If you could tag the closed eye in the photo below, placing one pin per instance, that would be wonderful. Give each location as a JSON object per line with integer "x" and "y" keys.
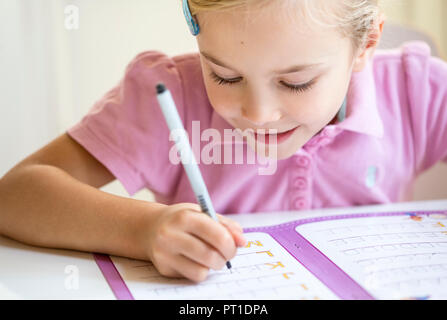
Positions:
{"x": 300, "y": 87}
{"x": 223, "y": 81}
{"x": 295, "y": 88}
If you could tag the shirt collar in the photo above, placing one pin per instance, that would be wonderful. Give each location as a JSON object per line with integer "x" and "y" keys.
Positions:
{"x": 362, "y": 114}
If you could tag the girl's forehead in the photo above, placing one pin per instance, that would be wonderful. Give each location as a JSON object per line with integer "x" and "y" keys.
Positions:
{"x": 270, "y": 21}
{"x": 235, "y": 32}
{"x": 294, "y": 14}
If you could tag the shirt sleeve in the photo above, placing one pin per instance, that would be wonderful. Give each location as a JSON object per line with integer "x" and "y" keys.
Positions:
{"x": 426, "y": 78}
{"x": 126, "y": 131}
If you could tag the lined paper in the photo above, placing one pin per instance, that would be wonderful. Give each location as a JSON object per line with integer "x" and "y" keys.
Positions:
{"x": 261, "y": 270}
{"x": 399, "y": 257}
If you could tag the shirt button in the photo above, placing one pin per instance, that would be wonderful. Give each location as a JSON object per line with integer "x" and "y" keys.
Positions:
{"x": 300, "y": 203}
{"x": 300, "y": 183}
{"x": 302, "y": 162}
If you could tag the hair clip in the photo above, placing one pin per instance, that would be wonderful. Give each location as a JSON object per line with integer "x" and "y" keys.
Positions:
{"x": 192, "y": 23}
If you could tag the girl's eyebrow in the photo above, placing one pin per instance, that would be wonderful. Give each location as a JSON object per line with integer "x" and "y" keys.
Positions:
{"x": 293, "y": 69}
{"x": 215, "y": 61}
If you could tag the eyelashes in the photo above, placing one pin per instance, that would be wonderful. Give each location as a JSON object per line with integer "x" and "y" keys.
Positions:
{"x": 299, "y": 88}
{"x": 222, "y": 81}
{"x": 295, "y": 88}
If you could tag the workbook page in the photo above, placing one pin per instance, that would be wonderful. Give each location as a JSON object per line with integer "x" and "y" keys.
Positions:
{"x": 396, "y": 257}
{"x": 261, "y": 270}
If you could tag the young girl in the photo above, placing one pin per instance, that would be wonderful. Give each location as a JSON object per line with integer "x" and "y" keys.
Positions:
{"x": 352, "y": 128}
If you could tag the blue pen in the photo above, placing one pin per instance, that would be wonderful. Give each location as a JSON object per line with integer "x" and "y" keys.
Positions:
{"x": 185, "y": 151}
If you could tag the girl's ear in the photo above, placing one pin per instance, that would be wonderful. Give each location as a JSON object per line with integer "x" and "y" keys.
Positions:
{"x": 365, "y": 54}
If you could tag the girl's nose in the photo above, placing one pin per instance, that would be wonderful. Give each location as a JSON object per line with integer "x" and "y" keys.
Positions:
{"x": 260, "y": 114}
{"x": 260, "y": 118}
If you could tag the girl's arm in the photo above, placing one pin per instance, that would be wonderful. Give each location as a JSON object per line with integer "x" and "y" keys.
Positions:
{"x": 51, "y": 199}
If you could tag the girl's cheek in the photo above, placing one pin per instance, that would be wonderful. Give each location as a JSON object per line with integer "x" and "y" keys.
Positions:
{"x": 302, "y": 108}
{"x": 223, "y": 100}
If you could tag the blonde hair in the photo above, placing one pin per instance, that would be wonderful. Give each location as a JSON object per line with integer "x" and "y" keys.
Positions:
{"x": 356, "y": 19}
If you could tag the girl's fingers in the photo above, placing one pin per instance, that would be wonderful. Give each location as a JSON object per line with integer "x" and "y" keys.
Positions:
{"x": 235, "y": 229}
{"x": 188, "y": 268}
{"x": 214, "y": 234}
{"x": 199, "y": 251}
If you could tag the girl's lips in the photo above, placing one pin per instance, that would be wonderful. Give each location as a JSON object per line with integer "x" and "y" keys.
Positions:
{"x": 270, "y": 138}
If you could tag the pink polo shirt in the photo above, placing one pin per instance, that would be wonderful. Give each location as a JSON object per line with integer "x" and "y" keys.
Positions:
{"x": 395, "y": 128}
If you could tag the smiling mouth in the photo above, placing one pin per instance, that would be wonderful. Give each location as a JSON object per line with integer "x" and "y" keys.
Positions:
{"x": 277, "y": 138}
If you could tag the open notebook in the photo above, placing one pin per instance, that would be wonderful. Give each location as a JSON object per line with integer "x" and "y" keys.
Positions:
{"x": 397, "y": 255}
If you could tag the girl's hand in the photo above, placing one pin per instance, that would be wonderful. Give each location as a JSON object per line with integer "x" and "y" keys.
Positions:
{"x": 185, "y": 242}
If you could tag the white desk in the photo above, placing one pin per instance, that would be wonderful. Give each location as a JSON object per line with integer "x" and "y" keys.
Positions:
{"x": 28, "y": 272}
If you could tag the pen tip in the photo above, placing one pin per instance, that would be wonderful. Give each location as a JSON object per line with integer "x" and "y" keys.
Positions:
{"x": 161, "y": 88}
{"x": 229, "y": 265}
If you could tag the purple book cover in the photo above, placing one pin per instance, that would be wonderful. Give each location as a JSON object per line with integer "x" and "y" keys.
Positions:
{"x": 340, "y": 283}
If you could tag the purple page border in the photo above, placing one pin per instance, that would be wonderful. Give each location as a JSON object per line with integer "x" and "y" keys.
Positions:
{"x": 302, "y": 250}
{"x": 113, "y": 277}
